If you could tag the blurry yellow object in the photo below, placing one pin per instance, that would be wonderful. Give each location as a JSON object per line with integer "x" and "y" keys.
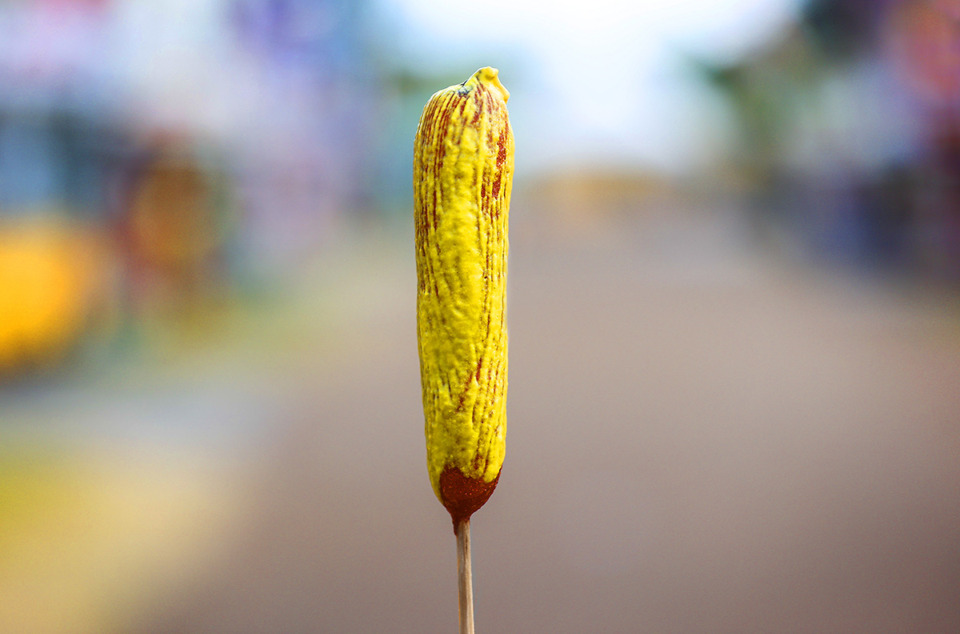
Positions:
{"x": 463, "y": 169}
{"x": 48, "y": 277}
{"x": 90, "y": 537}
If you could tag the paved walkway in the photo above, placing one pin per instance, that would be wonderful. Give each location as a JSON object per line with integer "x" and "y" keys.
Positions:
{"x": 701, "y": 440}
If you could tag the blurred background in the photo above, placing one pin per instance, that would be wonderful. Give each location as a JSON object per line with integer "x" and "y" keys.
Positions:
{"x": 734, "y": 313}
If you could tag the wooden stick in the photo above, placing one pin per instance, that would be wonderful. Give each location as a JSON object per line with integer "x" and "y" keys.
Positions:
{"x": 464, "y": 576}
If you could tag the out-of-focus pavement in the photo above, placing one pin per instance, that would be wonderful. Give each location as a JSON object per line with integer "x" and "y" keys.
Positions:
{"x": 702, "y": 438}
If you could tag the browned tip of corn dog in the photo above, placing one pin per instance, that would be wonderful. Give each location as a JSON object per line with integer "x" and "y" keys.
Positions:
{"x": 461, "y": 496}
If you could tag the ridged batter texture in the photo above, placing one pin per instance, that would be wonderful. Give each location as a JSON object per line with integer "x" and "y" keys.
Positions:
{"x": 462, "y": 176}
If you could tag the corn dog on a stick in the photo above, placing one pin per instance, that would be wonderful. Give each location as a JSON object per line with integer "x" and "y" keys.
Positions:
{"x": 462, "y": 175}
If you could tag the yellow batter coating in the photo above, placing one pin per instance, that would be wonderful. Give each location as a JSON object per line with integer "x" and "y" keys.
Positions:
{"x": 462, "y": 176}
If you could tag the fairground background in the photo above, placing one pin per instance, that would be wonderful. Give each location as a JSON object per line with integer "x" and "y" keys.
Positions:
{"x": 734, "y": 317}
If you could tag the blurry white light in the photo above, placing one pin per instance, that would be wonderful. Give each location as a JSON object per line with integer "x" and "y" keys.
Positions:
{"x": 607, "y": 72}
